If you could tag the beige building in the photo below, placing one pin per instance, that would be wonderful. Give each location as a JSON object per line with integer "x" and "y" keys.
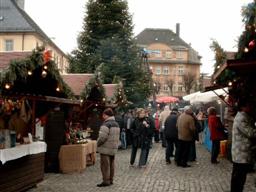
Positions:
{"x": 20, "y": 34}
{"x": 174, "y": 63}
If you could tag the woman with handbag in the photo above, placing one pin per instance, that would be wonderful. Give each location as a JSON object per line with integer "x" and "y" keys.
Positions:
{"x": 216, "y": 133}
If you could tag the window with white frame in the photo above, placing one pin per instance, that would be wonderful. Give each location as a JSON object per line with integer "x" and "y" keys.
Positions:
{"x": 179, "y": 55}
{"x": 165, "y": 70}
{"x": 181, "y": 70}
{"x": 8, "y": 45}
{"x": 158, "y": 71}
{"x": 157, "y": 53}
{"x": 168, "y": 54}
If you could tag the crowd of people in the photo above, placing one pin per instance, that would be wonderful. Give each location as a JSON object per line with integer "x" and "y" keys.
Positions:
{"x": 178, "y": 131}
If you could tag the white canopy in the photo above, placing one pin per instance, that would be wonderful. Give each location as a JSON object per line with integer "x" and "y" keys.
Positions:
{"x": 206, "y": 97}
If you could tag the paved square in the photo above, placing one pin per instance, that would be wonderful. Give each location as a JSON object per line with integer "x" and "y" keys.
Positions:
{"x": 156, "y": 177}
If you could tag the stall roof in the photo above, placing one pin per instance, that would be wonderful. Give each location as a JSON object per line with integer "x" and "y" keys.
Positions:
{"x": 37, "y": 74}
{"x": 77, "y": 81}
{"x": 240, "y": 66}
{"x": 110, "y": 89}
{"x": 46, "y": 98}
{"x": 7, "y": 57}
{"x": 206, "y": 97}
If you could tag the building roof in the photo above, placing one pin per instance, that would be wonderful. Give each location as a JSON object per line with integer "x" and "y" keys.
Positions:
{"x": 77, "y": 81}
{"x": 7, "y": 57}
{"x": 166, "y": 36}
{"x": 13, "y": 19}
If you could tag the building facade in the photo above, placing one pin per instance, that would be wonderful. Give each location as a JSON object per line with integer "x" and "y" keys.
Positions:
{"x": 175, "y": 65}
{"x": 20, "y": 34}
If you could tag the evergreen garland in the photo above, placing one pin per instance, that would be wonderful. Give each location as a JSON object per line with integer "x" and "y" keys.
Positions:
{"x": 96, "y": 84}
{"x": 19, "y": 72}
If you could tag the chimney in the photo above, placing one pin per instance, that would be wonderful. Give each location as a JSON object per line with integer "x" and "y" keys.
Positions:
{"x": 178, "y": 29}
{"x": 20, "y": 3}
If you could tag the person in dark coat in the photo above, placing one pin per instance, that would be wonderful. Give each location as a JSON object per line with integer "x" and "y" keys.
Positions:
{"x": 141, "y": 135}
{"x": 171, "y": 135}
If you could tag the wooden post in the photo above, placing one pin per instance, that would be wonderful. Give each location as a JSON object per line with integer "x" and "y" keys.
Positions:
{"x": 33, "y": 117}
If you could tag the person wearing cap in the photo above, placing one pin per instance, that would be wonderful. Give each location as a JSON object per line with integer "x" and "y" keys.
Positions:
{"x": 107, "y": 146}
{"x": 171, "y": 135}
{"x": 186, "y": 131}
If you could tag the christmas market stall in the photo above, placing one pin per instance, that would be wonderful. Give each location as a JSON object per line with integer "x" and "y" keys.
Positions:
{"x": 95, "y": 97}
{"x": 33, "y": 102}
{"x": 239, "y": 74}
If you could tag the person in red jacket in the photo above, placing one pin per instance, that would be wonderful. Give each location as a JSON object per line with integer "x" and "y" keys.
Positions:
{"x": 216, "y": 135}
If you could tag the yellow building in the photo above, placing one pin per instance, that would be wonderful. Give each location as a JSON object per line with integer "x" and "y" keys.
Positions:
{"x": 175, "y": 64}
{"x": 19, "y": 34}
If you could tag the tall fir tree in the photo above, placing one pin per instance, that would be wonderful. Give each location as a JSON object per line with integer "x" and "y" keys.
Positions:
{"x": 247, "y": 40}
{"x": 106, "y": 42}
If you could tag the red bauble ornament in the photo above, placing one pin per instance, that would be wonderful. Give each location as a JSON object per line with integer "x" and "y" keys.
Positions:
{"x": 47, "y": 56}
{"x": 252, "y": 44}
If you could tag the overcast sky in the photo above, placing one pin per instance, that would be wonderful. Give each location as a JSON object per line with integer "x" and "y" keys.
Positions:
{"x": 200, "y": 21}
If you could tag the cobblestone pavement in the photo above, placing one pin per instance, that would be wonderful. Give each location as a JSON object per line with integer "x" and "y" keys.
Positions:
{"x": 156, "y": 177}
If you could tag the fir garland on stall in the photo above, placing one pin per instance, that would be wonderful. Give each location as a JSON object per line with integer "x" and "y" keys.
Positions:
{"x": 23, "y": 76}
{"x": 94, "y": 90}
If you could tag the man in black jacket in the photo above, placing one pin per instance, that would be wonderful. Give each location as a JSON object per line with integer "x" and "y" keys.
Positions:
{"x": 171, "y": 134}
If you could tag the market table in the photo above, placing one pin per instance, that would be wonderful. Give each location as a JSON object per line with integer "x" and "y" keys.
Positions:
{"x": 21, "y": 167}
{"x": 75, "y": 157}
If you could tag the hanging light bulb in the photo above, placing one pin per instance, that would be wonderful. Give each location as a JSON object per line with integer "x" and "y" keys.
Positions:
{"x": 7, "y": 86}
{"x": 58, "y": 89}
{"x": 230, "y": 83}
{"x": 104, "y": 99}
{"x": 246, "y": 49}
{"x": 45, "y": 67}
{"x": 29, "y": 72}
{"x": 44, "y": 73}
{"x": 218, "y": 66}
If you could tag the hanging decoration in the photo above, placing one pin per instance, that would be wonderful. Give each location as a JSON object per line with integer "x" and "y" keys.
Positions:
{"x": 24, "y": 76}
{"x": 47, "y": 56}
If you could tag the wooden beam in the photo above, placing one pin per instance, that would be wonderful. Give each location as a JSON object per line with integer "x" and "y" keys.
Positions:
{"x": 46, "y": 98}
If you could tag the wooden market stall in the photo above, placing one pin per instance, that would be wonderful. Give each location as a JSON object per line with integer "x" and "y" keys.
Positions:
{"x": 239, "y": 76}
{"x": 32, "y": 90}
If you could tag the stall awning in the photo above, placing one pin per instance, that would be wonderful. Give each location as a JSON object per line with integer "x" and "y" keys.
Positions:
{"x": 206, "y": 97}
{"x": 240, "y": 66}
